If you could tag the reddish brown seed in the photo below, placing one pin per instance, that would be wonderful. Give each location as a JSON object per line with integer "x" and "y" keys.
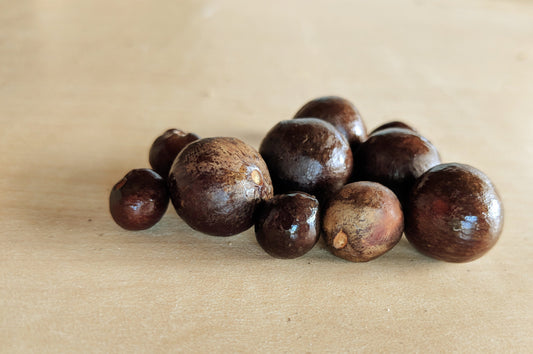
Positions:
{"x": 166, "y": 147}
{"x": 393, "y": 124}
{"x": 362, "y": 222}
{"x": 394, "y": 157}
{"x": 454, "y": 213}
{"x": 307, "y": 155}
{"x": 288, "y": 225}
{"x": 341, "y": 113}
{"x": 139, "y": 200}
{"x": 216, "y": 183}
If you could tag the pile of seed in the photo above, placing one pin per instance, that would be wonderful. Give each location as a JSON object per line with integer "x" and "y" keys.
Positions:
{"x": 318, "y": 174}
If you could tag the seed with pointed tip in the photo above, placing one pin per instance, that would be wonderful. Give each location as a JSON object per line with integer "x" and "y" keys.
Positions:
{"x": 362, "y": 222}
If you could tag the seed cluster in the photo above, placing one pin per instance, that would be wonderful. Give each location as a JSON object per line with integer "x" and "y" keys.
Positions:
{"x": 320, "y": 173}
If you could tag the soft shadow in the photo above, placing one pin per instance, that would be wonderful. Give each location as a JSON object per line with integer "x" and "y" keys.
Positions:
{"x": 402, "y": 255}
{"x": 71, "y": 208}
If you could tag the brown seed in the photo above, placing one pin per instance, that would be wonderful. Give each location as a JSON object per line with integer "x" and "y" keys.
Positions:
{"x": 288, "y": 225}
{"x": 454, "y": 213}
{"x": 139, "y": 200}
{"x": 166, "y": 147}
{"x": 395, "y": 157}
{"x": 362, "y": 222}
{"x": 341, "y": 113}
{"x": 216, "y": 183}
{"x": 393, "y": 124}
{"x": 307, "y": 155}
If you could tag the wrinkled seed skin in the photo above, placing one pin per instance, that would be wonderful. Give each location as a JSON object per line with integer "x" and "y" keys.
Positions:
{"x": 395, "y": 157}
{"x": 393, "y": 124}
{"x": 139, "y": 200}
{"x": 166, "y": 147}
{"x": 212, "y": 185}
{"x": 307, "y": 155}
{"x": 341, "y": 113}
{"x": 454, "y": 213}
{"x": 288, "y": 225}
{"x": 371, "y": 217}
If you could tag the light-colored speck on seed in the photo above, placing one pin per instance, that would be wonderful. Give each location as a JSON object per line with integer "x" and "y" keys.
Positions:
{"x": 340, "y": 240}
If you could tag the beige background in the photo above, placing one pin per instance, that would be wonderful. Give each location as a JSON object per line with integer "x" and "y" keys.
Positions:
{"x": 86, "y": 86}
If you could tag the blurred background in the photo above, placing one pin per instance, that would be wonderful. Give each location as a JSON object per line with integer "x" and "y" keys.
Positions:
{"x": 235, "y": 68}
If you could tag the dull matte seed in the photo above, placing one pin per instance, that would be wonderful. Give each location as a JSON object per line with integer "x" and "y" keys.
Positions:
{"x": 362, "y": 222}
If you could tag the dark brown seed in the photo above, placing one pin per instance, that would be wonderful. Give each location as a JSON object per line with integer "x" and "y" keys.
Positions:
{"x": 216, "y": 183}
{"x": 341, "y": 113}
{"x": 288, "y": 225}
{"x": 454, "y": 213}
{"x": 394, "y": 157}
{"x": 139, "y": 200}
{"x": 166, "y": 147}
{"x": 393, "y": 124}
{"x": 362, "y": 222}
{"x": 307, "y": 155}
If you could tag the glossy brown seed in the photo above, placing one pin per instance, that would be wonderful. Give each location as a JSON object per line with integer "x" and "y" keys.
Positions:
{"x": 393, "y": 124}
{"x": 454, "y": 213}
{"x": 307, "y": 155}
{"x": 341, "y": 113}
{"x": 166, "y": 147}
{"x": 288, "y": 225}
{"x": 362, "y": 222}
{"x": 216, "y": 183}
{"x": 394, "y": 157}
{"x": 139, "y": 200}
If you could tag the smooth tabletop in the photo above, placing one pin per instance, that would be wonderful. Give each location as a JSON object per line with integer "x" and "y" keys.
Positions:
{"x": 85, "y": 88}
